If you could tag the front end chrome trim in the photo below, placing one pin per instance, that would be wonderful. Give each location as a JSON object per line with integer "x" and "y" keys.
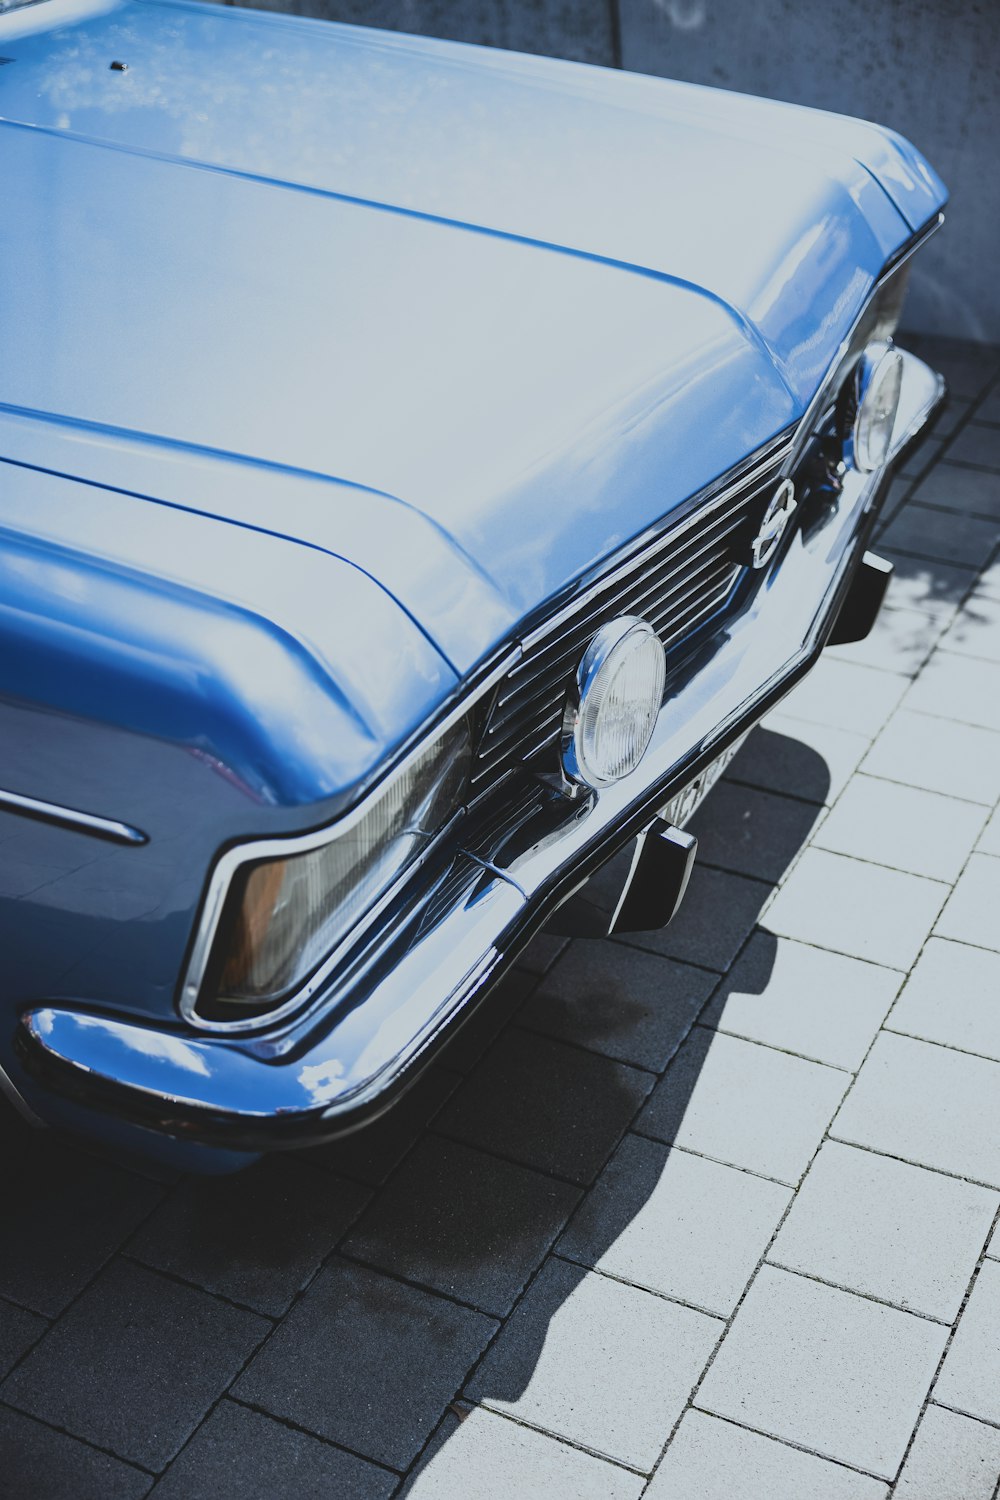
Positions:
{"x": 71, "y": 817}
{"x": 329, "y": 1075}
{"x": 230, "y": 861}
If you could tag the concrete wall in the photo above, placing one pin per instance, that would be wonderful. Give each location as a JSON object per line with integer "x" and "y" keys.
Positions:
{"x": 928, "y": 68}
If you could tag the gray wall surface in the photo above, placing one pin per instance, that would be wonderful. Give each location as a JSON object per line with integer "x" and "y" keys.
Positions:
{"x": 928, "y": 68}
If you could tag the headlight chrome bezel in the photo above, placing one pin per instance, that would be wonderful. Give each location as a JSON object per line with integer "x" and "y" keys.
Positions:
{"x": 235, "y": 861}
{"x": 877, "y": 379}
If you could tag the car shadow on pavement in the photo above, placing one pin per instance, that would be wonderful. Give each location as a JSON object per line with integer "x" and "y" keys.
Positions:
{"x": 446, "y": 1254}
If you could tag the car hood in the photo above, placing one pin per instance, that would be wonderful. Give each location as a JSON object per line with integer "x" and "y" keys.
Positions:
{"x": 466, "y": 319}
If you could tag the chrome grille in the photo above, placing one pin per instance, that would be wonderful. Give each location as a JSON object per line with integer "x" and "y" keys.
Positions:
{"x": 677, "y": 581}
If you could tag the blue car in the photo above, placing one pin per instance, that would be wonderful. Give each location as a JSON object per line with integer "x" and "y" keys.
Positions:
{"x": 421, "y": 467}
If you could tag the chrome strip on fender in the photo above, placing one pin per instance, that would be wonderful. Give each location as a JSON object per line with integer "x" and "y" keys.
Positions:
{"x": 71, "y": 817}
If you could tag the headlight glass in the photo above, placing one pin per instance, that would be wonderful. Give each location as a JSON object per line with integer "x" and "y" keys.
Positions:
{"x": 282, "y": 917}
{"x": 879, "y": 379}
{"x": 611, "y": 714}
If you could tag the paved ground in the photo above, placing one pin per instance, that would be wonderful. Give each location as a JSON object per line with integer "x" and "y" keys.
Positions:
{"x": 708, "y": 1214}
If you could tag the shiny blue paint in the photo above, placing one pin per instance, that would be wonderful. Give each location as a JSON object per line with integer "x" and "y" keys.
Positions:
{"x": 328, "y": 357}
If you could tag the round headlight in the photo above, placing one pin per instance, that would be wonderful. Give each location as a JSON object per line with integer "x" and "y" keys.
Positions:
{"x": 612, "y": 708}
{"x": 879, "y": 378}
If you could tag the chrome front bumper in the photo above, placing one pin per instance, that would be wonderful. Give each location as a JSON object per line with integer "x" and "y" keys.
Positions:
{"x": 334, "y": 1068}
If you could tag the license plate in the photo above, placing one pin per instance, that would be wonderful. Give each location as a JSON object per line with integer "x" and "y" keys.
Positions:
{"x": 681, "y": 807}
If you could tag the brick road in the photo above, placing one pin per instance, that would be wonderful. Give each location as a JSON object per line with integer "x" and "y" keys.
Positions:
{"x": 704, "y": 1214}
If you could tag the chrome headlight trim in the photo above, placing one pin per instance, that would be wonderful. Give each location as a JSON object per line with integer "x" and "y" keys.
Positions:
{"x": 231, "y": 861}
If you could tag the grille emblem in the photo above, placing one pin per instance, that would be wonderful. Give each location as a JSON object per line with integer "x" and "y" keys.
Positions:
{"x": 772, "y": 528}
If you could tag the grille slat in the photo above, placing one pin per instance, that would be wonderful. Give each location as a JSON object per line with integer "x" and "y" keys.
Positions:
{"x": 677, "y": 582}
{"x": 564, "y": 651}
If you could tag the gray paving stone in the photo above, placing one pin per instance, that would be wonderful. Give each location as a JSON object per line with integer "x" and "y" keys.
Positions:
{"x": 958, "y": 687}
{"x": 952, "y": 1458}
{"x": 624, "y": 1003}
{"x": 845, "y": 696}
{"x": 989, "y": 408}
{"x": 885, "y": 823}
{"x": 675, "y": 1224}
{"x": 930, "y": 585}
{"x": 967, "y": 367}
{"x": 542, "y": 952}
{"x": 937, "y": 755}
{"x": 490, "y": 1018}
{"x": 73, "y": 1212}
{"x": 718, "y": 914}
{"x": 42, "y": 1464}
{"x": 821, "y": 1005}
{"x": 899, "y": 489}
{"x": 370, "y": 1154}
{"x": 975, "y": 631}
{"x": 970, "y": 1376}
{"x": 988, "y": 582}
{"x": 367, "y": 1362}
{"x": 922, "y": 455}
{"x": 242, "y": 1455}
{"x": 951, "y": 416}
{"x": 148, "y": 1346}
{"x": 812, "y": 761}
{"x": 743, "y": 1104}
{"x": 886, "y": 1229}
{"x": 863, "y": 910}
{"x": 255, "y": 1237}
{"x": 952, "y": 997}
{"x": 464, "y": 1223}
{"x": 486, "y": 1455}
{"x": 972, "y": 912}
{"x": 989, "y": 839}
{"x": 713, "y": 1460}
{"x": 901, "y": 641}
{"x": 952, "y": 536}
{"x": 948, "y": 487}
{"x": 928, "y": 1105}
{"x": 19, "y": 1329}
{"x": 600, "y": 1363}
{"x": 548, "y": 1105}
{"x": 836, "y": 1373}
{"x": 751, "y": 832}
{"x": 976, "y": 444}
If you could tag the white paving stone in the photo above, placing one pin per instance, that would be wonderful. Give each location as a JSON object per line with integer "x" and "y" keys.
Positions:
{"x": 970, "y": 1377}
{"x": 989, "y": 839}
{"x": 676, "y": 1224}
{"x": 860, "y": 909}
{"x": 744, "y": 1104}
{"x": 928, "y": 1105}
{"x": 921, "y": 750}
{"x": 877, "y": 1226}
{"x": 845, "y": 696}
{"x": 833, "y": 1372}
{"x": 960, "y": 688}
{"x": 972, "y": 912}
{"x": 952, "y": 1458}
{"x": 487, "y": 1455}
{"x": 709, "y": 1459}
{"x": 975, "y": 630}
{"x": 952, "y": 997}
{"x": 819, "y": 1004}
{"x": 910, "y": 829}
{"x": 602, "y": 1364}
